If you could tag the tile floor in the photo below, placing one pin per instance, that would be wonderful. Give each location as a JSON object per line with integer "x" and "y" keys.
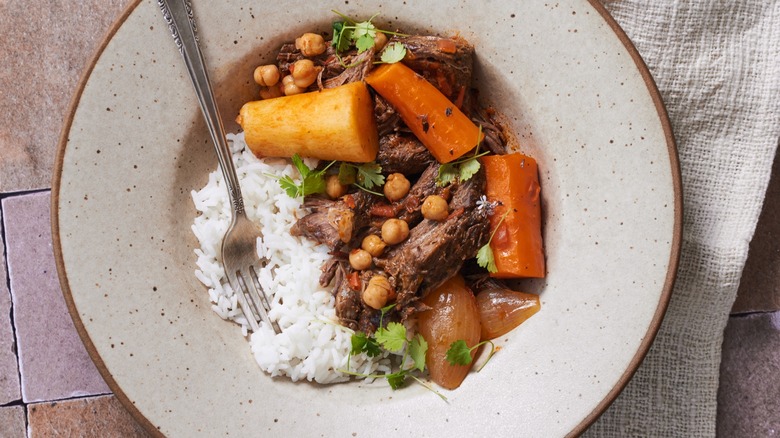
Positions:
{"x": 49, "y": 386}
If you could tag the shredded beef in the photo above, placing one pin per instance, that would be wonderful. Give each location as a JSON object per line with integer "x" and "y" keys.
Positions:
{"x": 435, "y": 251}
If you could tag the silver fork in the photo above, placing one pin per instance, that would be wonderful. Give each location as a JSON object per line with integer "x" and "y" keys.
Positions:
{"x": 239, "y": 247}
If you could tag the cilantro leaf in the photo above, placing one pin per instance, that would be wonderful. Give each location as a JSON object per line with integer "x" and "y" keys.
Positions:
{"x": 364, "y": 43}
{"x": 459, "y": 353}
{"x": 342, "y": 36}
{"x": 485, "y": 256}
{"x": 303, "y": 169}
{"x": 338, "y": 29}
{"x": 347, "y": 174}
{"x": 358, "y": 342}
{"x": 461, "y": 169}
{"x": 396, "y": 380}
{"x": 365, "y": 28}
{"x": 372, "y": 348}
{"x": 447, "y": 174}
{"x": 486, "y": 259}
{"x": 417, "y": 349}
{"x": 362, "y": 343}
{"x": 393, "y": 337}
{"x": 394, "y": 52}
{"x": 370, "y": 175}
{"x": 289, "y": 186}
{"x": 366, "y": 175}
{"x": 468, "y": 168}
{"x": 313, "y": 183}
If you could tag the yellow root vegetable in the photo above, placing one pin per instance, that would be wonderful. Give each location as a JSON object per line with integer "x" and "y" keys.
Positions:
{"x": 332, "y": 124}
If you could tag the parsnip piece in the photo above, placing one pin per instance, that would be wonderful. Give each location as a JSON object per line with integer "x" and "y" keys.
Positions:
{"x": 332, "y": 124}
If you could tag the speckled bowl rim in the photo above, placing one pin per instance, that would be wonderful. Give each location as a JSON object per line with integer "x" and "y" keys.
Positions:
{"x": 583, "y": 425}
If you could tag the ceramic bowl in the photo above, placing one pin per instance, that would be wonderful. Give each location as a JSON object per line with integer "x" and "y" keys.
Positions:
{"x": 573, "y": 90}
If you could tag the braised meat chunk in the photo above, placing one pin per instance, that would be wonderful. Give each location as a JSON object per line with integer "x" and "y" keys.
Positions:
{"x": 435, "y": 251}
{"x": 335, "y": 223}
{"x": 403, "y": 153}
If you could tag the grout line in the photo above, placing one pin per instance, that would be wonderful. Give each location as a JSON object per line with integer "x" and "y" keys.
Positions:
{"x": 17, "y": 402}
{"x": 11, "y": 194}
{"x": 6, "y": 267}
{"x": 71, "y": 398}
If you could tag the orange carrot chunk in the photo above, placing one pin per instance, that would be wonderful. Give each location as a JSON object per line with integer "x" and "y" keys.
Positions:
{"x": 434, "y": 119}
{"x": 513, "y": 182}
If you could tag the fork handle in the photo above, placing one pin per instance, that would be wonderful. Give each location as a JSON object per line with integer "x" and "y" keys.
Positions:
{"x": 181, "y": 22}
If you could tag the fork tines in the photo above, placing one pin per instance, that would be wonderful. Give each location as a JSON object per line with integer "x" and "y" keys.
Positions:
{"x": 252, "y": 299}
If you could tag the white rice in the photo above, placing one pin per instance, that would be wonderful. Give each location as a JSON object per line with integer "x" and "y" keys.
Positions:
{"x": 312, "y": 345}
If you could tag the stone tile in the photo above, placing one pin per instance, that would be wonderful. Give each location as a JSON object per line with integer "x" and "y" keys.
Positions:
{"x": 45, "y": 48}
{"x": 53, "y": 362}
{"x": 9, "y": 371}
{"x": 759, "y": 289}
{"x": 87, "y": 417}
{"x": 748, "y": 396}
{"x": 12, "y": 423}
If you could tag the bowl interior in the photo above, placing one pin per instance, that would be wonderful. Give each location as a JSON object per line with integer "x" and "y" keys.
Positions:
{"x": 569, "y": 89}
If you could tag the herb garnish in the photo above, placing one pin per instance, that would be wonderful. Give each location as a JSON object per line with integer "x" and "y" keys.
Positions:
{"x": 392, "y": 338}
{"x": 460, "y": 353}
{"x": 461, "y": 169}
{"x": 485, "y": 257}
{"x": 311, "y": 182}
{"x": 349, "y": 31}
{"x": 365, "y": 176}
{"x": 361, "y": 34}
{"x": 393, "y": 52}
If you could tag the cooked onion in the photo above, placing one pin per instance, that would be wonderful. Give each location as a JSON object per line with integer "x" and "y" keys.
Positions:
{"x": 501, "y": 310}
{"x": 453, "y": 316}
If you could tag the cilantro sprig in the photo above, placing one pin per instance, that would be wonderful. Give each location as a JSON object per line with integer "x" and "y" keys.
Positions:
{"x": 392, "y": 338}
{"x": 462, "y": 169}
{"x": 311, "y": 182}
{"x": 485, "y": 256}
{"x": 459, "y": 353}
{"x": 361, "y": 34}
{"x": 349, "y": 32}
{"x": 365, "y": 176}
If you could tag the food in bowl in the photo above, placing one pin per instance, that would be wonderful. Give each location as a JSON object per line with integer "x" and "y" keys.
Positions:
{"x": 389, "y": 198}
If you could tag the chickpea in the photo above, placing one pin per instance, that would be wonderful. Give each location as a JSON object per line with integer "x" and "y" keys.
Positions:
{"x": 304, "y": 72}
{"x": 435, "y": 208}
{"x": 333, "y": 187}
{"x": 394, "y": 231}
{"x": 311, "y": 44}
{"x": 360, "y": 259}
{"x": 289, "y": 86}
{"x": 373, "y": 244}
{"x": 396, "y": 186}
{"x": 379, "y": 41}
{"x": 271, "y": 92}
{"x": 267, "y": 75}
{"x": 378, "y": 292}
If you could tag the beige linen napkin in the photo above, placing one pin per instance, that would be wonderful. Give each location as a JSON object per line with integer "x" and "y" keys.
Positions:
{"x": 717, "y": 65}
